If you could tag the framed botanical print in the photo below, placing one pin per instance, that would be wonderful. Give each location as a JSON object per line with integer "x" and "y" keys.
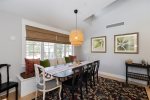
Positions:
{"x": 98, "y": 44}
{"x": 126, "y": 43}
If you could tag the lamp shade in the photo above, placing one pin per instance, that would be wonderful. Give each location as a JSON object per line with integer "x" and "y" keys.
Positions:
{"x": 76, "y": 37}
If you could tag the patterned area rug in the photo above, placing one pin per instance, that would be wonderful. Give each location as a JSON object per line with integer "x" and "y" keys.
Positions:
{"x": 106, "y": 89}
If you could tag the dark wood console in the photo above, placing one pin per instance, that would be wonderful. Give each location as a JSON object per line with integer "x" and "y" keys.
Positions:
{"x": 135, "y": 75}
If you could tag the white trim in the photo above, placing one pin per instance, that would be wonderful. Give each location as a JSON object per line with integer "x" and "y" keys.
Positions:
{"x": 112, "y": 75}
{"x": 35, "y": 24}
{"x": 121, "y": 77}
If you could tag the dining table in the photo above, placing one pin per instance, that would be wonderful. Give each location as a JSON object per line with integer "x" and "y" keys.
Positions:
{"x": 64, "y": 70}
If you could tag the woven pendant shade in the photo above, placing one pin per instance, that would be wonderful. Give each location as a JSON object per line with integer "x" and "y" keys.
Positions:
{"x": 76, "y": 37}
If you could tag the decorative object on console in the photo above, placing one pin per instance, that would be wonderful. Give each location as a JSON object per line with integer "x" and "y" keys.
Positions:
{"x": 143, "y": 62}
{"x": 126, "y": 43}
{"x": 76, "y": 36}
{"x": 98, "y": 44}
{"x": 129, "y": 61}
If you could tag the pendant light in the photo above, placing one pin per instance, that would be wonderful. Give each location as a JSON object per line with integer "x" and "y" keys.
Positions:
{"x": 76, "y": 36}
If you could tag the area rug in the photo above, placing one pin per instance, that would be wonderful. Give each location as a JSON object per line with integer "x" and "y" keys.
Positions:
{"x": 106, "y": 89}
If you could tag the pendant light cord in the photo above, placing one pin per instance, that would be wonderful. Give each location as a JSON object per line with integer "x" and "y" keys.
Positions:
{"x": 76, "y": 22}
{"x": 76, "y": 11}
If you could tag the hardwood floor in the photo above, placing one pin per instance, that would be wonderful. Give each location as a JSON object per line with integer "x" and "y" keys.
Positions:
{"x": 32, "y": 95}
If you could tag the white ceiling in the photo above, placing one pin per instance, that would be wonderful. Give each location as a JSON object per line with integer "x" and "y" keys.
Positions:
{"x": 55, "y": 13}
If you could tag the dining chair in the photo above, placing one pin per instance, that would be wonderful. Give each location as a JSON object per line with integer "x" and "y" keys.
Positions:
{"x": 45, "y": 84}
{"x": 74, "y": 83}
{"x": 6, "y": 86}
{"x": 87, "y": 76}
{"x": 95, "y": 73}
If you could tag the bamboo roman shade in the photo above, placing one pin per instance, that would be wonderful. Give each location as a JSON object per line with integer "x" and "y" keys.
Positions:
{"x": 38, "y": 34}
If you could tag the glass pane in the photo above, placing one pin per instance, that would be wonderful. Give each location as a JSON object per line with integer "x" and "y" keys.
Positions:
{"x": 29, "y": 55}
{"x": 37, "y": 48}
{"x": 51, "y": 55}
{"x": 60, "y": 50}
{"x": 45, "y": 43}
{"x": 29, "y": 48}
{"x": 37, "y": 55}
{"x": 37, "y": 43}
{"x": 46, "y": 55}
{"x": 68, "y": 50}
{"x": 46, "y": 49}
{"x": 51, "y": 48}
{"x": 29, "y": 42}
{"x": 52, "y": 44}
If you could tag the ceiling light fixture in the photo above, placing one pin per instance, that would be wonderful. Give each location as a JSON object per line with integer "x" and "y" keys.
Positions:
{"x": 76, "y": 36}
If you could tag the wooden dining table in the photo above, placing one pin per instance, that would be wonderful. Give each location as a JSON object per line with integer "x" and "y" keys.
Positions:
{"x": 64, "y": 70}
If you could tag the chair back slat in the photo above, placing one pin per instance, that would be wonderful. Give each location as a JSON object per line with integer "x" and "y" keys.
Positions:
{"x": 89, "y": 69}
{"x": 7, "y": 68}
{"x": 77, "y": 75}
{"x": 0, "y": 80}
{"x": 97, "y": 63}
{"x": 39, "y": 74}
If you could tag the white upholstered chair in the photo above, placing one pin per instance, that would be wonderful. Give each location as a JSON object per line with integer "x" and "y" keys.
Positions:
{"x": 45, "y": 84}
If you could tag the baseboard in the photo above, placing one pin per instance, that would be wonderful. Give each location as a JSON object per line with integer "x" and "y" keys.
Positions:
{"x": 112, "y": 75}
{"x": 10, "y": 91}
{"x": 121, "y": 78}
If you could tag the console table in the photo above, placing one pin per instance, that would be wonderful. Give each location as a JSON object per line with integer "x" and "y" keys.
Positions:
{"x": 144, "y": 77}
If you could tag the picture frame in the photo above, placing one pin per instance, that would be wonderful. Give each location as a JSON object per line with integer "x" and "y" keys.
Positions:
{"x": 126, "y": 43}
{"x": 98, "y": 44}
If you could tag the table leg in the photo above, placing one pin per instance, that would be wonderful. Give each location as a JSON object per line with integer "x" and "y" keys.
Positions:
{"x": 126, "y": 74}
{"x": 148, "y": 76}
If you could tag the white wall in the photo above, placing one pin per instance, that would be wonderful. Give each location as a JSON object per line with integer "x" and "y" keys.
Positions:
{"x": 10, "y": 43}
{"x": 136, "y": 15}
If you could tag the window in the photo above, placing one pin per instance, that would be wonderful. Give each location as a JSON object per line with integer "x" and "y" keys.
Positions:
{"x": 69, "y": 50}
{"x": 33, "y": 49}
{"x": 60, "y": 52}
{"x": 46, "y": 50}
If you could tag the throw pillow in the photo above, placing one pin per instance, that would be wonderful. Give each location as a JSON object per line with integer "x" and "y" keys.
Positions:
{"x": 67, "y": 59}
{"x": 29, "y": 63}
{"x": 72, "y": 58}
{"x": 45, "y": 63}
{"x": 53, "y": 62}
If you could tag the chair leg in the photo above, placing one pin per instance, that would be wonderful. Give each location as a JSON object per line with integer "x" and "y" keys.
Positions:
{"x": 7, "y": 93}
{"x": 60, "y": 92}
{"x": 17, "y": 92}
{"x": 36, "y": 94}
{"x": 72, "y": 92}
{"x": 81, "y": 93}
{"x": 44, "y": 95}
{"x": 91, "y": 82}
{"x": 86, "y": 86}
{"x": 97, "y": 78}
{"x": 94, "y": 79}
